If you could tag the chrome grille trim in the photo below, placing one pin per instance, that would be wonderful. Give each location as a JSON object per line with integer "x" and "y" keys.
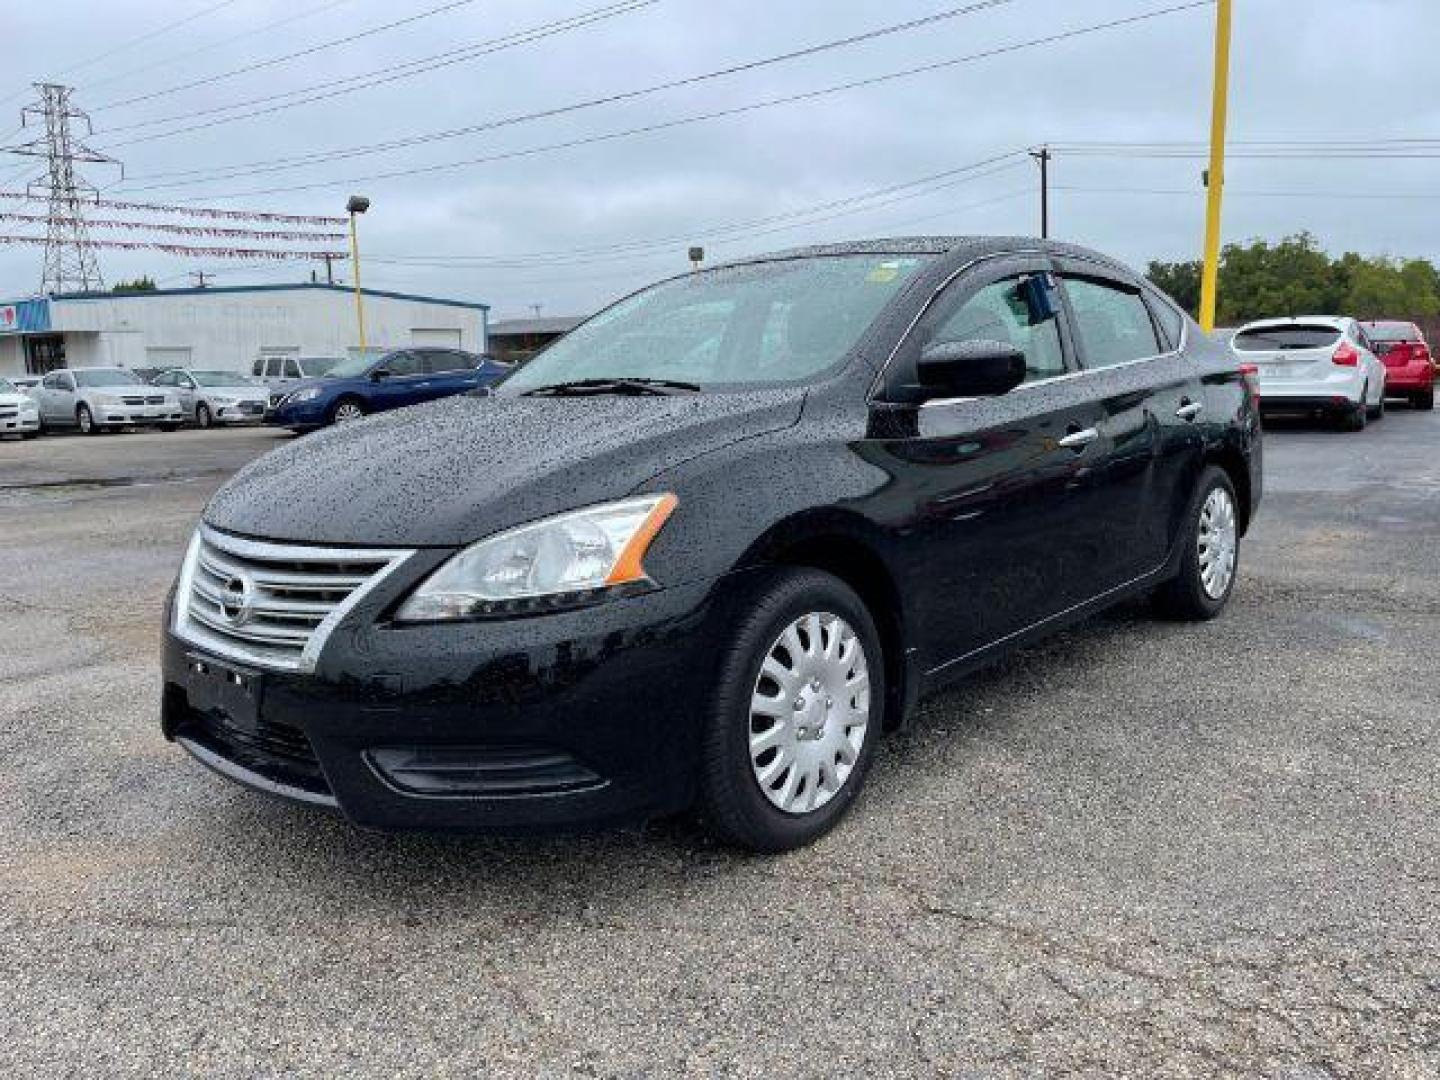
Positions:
{"x": 298, "y": 594}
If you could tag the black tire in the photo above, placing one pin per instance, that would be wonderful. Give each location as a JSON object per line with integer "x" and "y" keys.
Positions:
{"x": 1355, "y": 417}
{"x": 168, "y": 427}
{"x": 85, "y": 421}
{"x": 1425, "y": 400}
{"x": 335, "y": 409}
{"x": 28, "y": 434}
{"x": 203, "y": 416}
{"x": 731, "y": 800}
{"x": 1184, "y": 596}
{"x": 1377, "y": 411}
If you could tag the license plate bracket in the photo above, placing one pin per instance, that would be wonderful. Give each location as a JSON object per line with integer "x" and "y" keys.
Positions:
{"x": 234, "y": 693}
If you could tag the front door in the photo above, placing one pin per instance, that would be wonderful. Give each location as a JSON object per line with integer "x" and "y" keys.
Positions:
{"x": 1011, "y": 497}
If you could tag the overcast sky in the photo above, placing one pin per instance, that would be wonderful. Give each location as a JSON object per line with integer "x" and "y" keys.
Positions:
{"x": 1303, "y": 70}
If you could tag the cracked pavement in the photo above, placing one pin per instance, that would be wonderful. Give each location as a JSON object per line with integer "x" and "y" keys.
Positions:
{"x": 1140, "y": 849}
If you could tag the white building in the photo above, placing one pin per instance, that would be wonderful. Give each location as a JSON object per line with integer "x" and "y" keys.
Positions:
{"x": 224, "y": 327}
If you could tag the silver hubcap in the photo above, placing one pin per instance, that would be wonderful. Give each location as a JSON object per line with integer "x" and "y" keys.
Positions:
{"x": 1217, "y": 543}
{"x": 347, "y": 412}
{"x": 809, "y": 712}
{"x": 85, "y": 421}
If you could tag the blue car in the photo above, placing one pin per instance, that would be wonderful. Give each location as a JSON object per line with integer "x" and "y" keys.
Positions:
{"x": 361, "y": 385}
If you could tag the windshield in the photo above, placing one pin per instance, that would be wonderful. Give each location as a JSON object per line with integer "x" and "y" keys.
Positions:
{"x": 8, "y": 387}
{"x": 222, "y": 378}
{"x": 762, "y": 323}
{"x": 319, "y": 365}
{"x": 106, "y": 377}
{"x": 1393, "y": 331}
{"x": 1295, "y": 336}
{"x": 346, "y": 368}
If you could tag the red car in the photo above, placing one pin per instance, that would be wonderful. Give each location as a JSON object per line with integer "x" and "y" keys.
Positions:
{"x": 1409, "y": 367}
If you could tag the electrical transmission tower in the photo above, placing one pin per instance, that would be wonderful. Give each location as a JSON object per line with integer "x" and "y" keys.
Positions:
{"x": 70, "y": 263}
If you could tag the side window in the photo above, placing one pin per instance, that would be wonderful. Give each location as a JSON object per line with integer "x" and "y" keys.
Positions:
{"x": 452, "y": 360}
{"x": 402, "y": 363}
{"x": 67, "y": 381}
{"x": 1001, "y": 312}
{"x": 51, "y": 381}
{"x": 1113, "y": 323}
{"x": 1172, "y": 323}
{"x": 291, "y": 368}
{"x": 165, "y": 378}
{"x": 259, "y": 368}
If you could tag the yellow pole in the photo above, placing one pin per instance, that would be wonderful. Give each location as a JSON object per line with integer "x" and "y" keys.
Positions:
{"x": 355, "y": 258}
{"x": 1210, "y": 277}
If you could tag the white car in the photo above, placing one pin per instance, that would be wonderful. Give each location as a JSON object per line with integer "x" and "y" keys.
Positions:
{"x": 96, "y": 398}
{"x": 278, "y": 371}
{"x": 1315, "y": 364}
{"x": 19, "y": 414}
{"x": 216, "y": 397}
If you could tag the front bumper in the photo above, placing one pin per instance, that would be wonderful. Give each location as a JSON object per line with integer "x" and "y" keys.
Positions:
{"x": 251, "y": 412}
{"x": 577, "y": 719}
{"x": 122, "y": 416}
{"x": 19, "y": 423}
{"x": 300, "y": 416}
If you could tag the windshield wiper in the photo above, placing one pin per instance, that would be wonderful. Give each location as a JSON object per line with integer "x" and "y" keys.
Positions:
{"x": 637, "y": 387}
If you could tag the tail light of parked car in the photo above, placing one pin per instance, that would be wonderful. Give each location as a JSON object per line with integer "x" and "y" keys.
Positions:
{"x": 1346, "y": 355}
{"x": 1250, "y": 376}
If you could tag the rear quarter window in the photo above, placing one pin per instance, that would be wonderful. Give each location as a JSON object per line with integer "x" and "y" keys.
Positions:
{"x": 1297, "y": 336}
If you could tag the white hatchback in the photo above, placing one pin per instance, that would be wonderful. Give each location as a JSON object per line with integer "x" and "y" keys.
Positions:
{"x": 1315, "y": 364}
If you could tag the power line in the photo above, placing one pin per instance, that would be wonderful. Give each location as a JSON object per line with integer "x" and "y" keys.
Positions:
{"x": 835, "y": 208}
{"x": 287, "y": 57}
{"x": 179, "y": 230}
{"x": 151, "y": 35}
{"x": 592, "y": 102}
{"x": 193, "y": 211}
{"x": 660, "y": 125}
{"x": 335, "y": 87}
{"x": 1364, "y": 195}
{"x": 230, "y": 40}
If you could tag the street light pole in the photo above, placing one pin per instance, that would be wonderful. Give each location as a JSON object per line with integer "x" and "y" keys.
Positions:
{"x": 1215, "y": 176}
{"x": 357, "y": 205}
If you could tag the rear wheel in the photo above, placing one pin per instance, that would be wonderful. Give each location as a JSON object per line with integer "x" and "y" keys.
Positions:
{"x": 1211, "y": 554}
{"x": 796, "y": 714}
{"x": 1354, "y": 417}
{"x": 1425, "y": 400}
{"x": 1377, "y": 411}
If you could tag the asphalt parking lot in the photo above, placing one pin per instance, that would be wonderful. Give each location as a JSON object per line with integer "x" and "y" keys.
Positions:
{"x": 1142, "y": 848}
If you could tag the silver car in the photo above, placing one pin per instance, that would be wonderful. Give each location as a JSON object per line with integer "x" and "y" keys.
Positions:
{"x": 19, "y": 414}
{"x": 96, "y": 398}
{"x": 278, "y": 370}
{"x": 216, "y": 397}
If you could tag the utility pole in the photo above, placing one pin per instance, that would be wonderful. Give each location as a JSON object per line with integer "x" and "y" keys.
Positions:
{"x": 1215, "y": 175}
{"x": 329, "y": 272}
{"x": 70, "y": 263}
{"x": 1043, "y": 156}
{"x": 536, "y": 308}
{"x": 199, "y": 276}
{"x": 357, "y": 205}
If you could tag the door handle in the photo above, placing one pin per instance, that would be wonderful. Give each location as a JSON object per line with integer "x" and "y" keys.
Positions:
{"x": 1189, "y": 410}
{"x": 1078, "y": 440}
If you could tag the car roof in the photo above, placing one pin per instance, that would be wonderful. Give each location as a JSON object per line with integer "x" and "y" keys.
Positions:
{"x": 957, "y": 247}
{"x": 1338, "y": 322}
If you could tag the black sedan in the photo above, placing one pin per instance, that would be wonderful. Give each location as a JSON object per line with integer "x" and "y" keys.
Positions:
{"x": 704, "y": 551}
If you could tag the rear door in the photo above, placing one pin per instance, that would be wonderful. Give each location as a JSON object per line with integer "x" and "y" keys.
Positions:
{"x": 451, "y": 372}
{"x": 405, "y": 384}
{"x": 1150, "y": 414}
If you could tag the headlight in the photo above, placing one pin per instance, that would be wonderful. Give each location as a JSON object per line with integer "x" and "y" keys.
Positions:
{"x": 308, "y": 394}
{"x": 552, "y": 563}
{"x": 107, "y": 399}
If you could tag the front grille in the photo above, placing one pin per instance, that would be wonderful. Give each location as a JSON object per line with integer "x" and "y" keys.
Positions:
{"x": 156, "y": 399}
{"x": 275, "y": 751}
{"x": 271, "y": 605}
{"x": 134, "y": 400}
{"x": 8, "y": 411}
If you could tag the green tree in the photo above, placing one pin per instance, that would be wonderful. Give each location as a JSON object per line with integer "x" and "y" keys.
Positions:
{"x": 140, "y": 284}
{"x": 1178, "y": 280}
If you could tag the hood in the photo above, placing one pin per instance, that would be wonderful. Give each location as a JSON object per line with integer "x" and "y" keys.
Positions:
{"x": 457, "y": 470}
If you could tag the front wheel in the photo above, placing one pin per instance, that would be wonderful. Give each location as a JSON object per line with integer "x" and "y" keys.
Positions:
{"x": 347, "y": 411}
{"x": 796, "y": 713}
{"x": 85, "y": 420}
{"x": 203, "y": 416}
{"x": 1211, "y": 552}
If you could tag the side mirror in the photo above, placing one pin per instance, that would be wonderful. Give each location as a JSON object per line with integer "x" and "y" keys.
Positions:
{"x": 970, "y": 368}
{"x": 379, "y": 373}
